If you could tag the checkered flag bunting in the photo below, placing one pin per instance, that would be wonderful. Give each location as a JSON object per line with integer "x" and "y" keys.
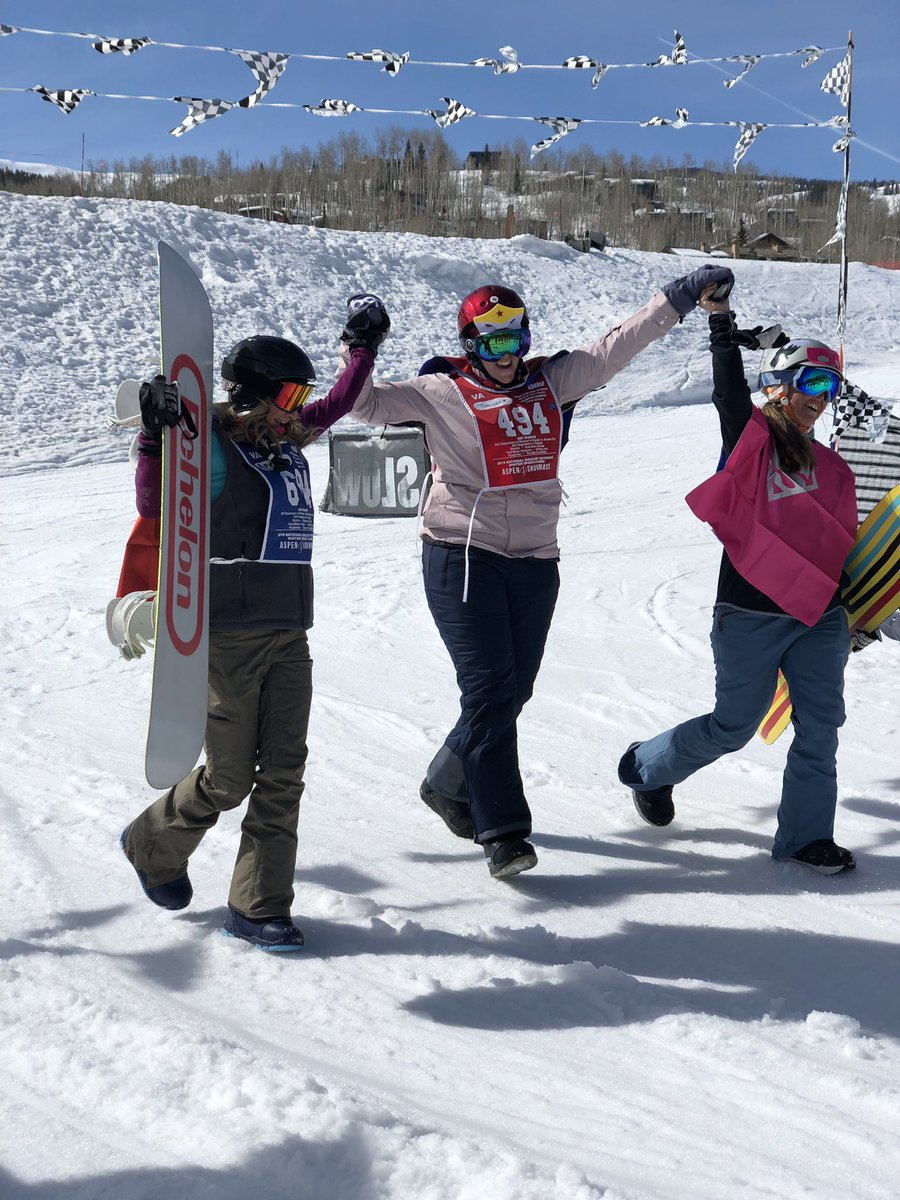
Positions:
{"x": 560, "y": 126}
{"x": 124, "y": 46}
{"x": 677, "y": 58}
{"x": 681, "y": 116}
{"x": 65, "y": 99}
{"x": 333, "y": 108}
{"x": 200, "y": 111}
{"x": 508, "y": 65}
{"x": 456, "y": 111}
{"x": 7, "y": 29}
{"x": 749, "y": 61}
{"x": 268, "y": 68}
{"x": 584, "y": 60}
{"x": 813, "y": 54}
{"x": 838, "y": 80}
{"x": 856, "y": 409}
{"x": 393, "y": 63}
{"x": 840, "y": 225}
{"x": 750, "y": 131}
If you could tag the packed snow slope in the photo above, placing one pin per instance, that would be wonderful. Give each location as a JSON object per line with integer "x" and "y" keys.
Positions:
{"x": 648, "y": 1015}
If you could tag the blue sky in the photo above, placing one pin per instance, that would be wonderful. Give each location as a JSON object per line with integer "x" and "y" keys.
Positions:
{"x": 777, "y": 90}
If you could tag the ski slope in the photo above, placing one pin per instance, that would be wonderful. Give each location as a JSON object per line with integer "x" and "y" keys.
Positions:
{"x": 649, "y": 1015}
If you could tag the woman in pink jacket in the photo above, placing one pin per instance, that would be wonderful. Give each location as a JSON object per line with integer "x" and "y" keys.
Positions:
{"x": 495, "y": 422}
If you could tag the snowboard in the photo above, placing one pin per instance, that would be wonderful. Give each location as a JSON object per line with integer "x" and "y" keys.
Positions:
{"x": 872, "y": 594}
{"x": 171, "y": 555}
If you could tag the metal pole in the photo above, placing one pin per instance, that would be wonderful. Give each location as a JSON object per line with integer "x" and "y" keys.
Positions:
{"x": 842, "y": 297}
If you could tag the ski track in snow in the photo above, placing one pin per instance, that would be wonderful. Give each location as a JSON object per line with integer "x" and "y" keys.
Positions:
{"x": 649, "y": 1015}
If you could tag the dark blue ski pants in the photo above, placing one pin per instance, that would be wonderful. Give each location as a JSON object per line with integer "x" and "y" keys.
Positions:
{"x": 496, "y": 641}
{"x": 748, "y": 648}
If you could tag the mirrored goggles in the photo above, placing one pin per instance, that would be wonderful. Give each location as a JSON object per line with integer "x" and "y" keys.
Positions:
{"x": 494, "y": 346}
{"x": 817, "y": 381}
{"x": 292, "y": 396}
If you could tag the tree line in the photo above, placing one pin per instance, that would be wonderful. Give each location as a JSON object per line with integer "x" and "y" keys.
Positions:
{"x": 417, "y": 184}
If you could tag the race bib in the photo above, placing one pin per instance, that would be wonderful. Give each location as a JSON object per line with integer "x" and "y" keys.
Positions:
{"x": 519, "y": 432}
{"x": 289, "y": 523}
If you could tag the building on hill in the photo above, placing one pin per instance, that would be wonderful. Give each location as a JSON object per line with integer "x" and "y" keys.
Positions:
{"x": 773, "y": 246}
{"x": 483, "y": 160}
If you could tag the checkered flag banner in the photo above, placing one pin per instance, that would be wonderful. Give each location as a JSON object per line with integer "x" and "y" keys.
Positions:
{"x": 393, "y": 63}
{"x": 560, "y": 126}
{"x": 267, "y": 66}
{"x": 200, "y": 111}
{"x": 843, "y": 141}
{"x": 456, "y": 111}
{"x": 333, "y": 108}
{"x": 681, "y": 117}
{"x": 749, "y": 61}
{"x": 121, "y": 45}
{"x": 838, "y": 80}
{"x": 840, "y": 225}
{"x": 507, "y": 65}
{"x": 813, "y": 54}
{"x": 7, "y": 29}
{"x": 584, "y": 60}
{"x": 750, "y": 131}
{"x": 678, "y": 57}
{"x": 875, "y": 461}
{"x": 65, "y": 99}
{"x": 856, "y": 409}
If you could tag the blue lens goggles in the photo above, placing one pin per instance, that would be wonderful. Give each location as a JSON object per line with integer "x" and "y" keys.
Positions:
{"x": 811, "y": 381}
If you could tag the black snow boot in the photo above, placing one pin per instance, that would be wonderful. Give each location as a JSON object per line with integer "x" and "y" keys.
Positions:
{"x": 271, "y": 933}
{"x": 825, "y": 857}
{"x": 454, "y": 813}
{"x": 510, "y": 855}
{"x": 655, "y": 806}
{"x": 173, "y": 895}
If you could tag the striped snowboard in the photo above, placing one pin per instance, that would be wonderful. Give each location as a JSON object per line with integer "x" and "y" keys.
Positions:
{"x": 871, "y": 596}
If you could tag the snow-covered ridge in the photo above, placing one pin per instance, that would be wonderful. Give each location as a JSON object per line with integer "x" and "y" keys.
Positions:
{"x": 78, "y": 297}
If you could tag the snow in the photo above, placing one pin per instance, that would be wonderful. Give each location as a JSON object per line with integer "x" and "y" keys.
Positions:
{"x": 649, "y": 1015}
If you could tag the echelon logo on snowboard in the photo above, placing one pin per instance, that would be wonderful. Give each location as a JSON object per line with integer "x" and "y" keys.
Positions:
{"x": 186, "y": 489}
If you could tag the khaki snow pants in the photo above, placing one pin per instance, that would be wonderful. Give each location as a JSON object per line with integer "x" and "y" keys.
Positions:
{"x": 260, "y": 691}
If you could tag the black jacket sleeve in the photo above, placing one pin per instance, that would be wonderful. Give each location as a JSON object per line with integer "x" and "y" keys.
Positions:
{"x": 731, "y": 395}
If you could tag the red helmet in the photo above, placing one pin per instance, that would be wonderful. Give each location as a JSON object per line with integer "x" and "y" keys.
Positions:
{"x": 488, "y": 309}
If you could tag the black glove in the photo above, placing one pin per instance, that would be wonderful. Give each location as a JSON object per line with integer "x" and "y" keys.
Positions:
{"x": 859, "y": 639}
{"x": 161, "y": 407}
{"x": 758, "y": 338}
{"x": 367, "y": 322}
{"x": 684, "y": 293}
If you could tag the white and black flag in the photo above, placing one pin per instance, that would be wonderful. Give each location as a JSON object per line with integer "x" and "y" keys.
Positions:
{"x": 267, "y": 66}
{"x": 677, "y": 58}
{"x": 856, "y": 409}
{"x": 813, "y": 54}
{"x": 393, "y": 63}
{"x": 681, "y": 118}
{"x": 838, "y": 80}
{"x": 582, "y": 61}
{"x": 507, "y": 65}
{"x": 200, "y": 111}
{"x": 124, "y": 46}
{"x": 749, "y": 61}
{"x": 750, "y": 131}
{"x": 560, "y": 126}
{"x": 5, "y": 30}
{"x": 65, "y": 99}
{"x": 456, "y": 111}
{"x": 333, "y": 108}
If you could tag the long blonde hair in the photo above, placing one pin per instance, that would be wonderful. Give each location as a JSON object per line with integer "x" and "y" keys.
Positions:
{"x": 251, "y": 425}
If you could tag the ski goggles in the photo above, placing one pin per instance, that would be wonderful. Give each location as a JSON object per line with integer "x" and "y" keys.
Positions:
{"x": 494, "y": 346}
{"x": 292, "y": 396}
{"x": 811, "y": 381}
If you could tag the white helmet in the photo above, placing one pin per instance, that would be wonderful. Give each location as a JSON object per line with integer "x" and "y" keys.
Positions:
{"x": 781, "y": 364}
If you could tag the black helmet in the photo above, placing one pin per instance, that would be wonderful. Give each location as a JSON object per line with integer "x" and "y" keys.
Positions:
{"x": 259, "y": 366}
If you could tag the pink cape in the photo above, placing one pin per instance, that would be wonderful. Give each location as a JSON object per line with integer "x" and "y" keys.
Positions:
{"x": 789, "y": 536}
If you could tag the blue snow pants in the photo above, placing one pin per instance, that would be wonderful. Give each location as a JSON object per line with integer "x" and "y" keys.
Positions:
{"x": 748, "y": 649}
{"x": 496, "y": 642}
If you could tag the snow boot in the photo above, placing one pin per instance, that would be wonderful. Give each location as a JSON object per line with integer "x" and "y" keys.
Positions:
{"x": 173, "y": 895}
{"x": 510, "y": 855}
{"x": 454, "y": 813}
{"x": 825, "y": 857}
{"x": 654, "y": 806}
{"x": 271, "y": 933}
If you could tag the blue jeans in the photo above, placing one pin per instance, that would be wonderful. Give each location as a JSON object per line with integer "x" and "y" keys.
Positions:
{"x": 496, "y": 641}
{"x": 748, "y": 649}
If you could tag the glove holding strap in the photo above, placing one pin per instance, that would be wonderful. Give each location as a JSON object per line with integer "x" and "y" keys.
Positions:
{"x": 162, "y": 408}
